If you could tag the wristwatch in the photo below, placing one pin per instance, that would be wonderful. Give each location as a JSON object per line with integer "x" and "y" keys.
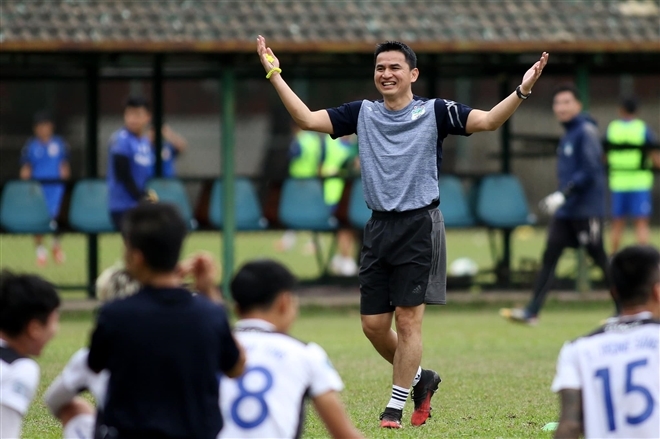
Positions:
{"x": 522, "y": 95}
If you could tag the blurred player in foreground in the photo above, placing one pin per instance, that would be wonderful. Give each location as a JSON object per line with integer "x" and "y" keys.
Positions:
{"x": 78, "y": 417}
{"x": 28, "y": 320}
{"x": 608, "y": 381}
{"x": 281, "y": 372}
{"x": 632, "y": 149}
{"x": 578, "y": 207}
{"x": 46, "y": 157}
{"x": 163, "y": 347}
{"x": 403, "y": 260}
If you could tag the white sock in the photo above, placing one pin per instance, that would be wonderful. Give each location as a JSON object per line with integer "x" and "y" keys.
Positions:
{"x": 41, "y": 250}
{"x": 418, "y": 376}
{"x": 399, "y": 397}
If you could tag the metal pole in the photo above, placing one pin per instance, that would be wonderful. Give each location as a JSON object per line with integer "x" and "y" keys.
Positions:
{"x": 504, "y": 270}
{"x": 227, "y": 158}
{"x": 157, "y": 117}
{"x": 582, "y": 282}
{"x": 91, "y": 165}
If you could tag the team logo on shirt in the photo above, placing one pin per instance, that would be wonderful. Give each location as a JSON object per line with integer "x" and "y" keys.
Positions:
{"x": 417, "y": 112}
{"x": 53, "y": 149}
{"x": 568, "y": 149}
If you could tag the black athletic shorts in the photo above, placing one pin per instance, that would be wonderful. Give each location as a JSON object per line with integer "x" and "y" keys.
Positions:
{"x": 403, "y": 260}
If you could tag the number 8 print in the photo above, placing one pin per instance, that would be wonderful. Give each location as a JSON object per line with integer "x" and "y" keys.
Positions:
{"x": 258, "y": 395}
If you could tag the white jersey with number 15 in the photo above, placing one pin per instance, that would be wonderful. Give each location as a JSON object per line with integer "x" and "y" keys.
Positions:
{"x": 618, "y": 371}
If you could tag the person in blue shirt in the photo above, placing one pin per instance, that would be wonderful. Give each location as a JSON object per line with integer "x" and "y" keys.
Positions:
{"x": 174, "y": 144}
{"x": 46, "y": 157}
{"x": 578, "y": 206}
{"x": 130, "y": 160}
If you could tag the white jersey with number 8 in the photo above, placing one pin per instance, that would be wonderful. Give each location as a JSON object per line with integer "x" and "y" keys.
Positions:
{"x": 618, "y": 371}
{"x": 267, "y": 401}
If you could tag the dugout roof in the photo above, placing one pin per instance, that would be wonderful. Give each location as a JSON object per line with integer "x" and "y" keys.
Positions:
{"x": 230, "y": 26}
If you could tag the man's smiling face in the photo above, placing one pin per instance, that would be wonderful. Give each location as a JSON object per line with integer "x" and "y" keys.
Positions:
{"x": 392, "y": 75}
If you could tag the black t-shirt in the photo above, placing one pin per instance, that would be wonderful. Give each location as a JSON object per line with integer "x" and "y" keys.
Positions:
{"x": 165, "y": 350}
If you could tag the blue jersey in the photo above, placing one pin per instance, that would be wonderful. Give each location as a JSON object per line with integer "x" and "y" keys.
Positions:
{"x": 168, "y": 154}
{"x": 141, "y": 156}
{"x": 45, "y": 160}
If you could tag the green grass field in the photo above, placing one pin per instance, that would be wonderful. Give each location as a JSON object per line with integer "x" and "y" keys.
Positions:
{"x": 496, "y": 375}
{"x": 17, "y": 253}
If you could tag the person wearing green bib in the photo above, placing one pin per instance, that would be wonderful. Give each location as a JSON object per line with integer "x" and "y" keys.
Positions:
{"x": 631, "y": 150}
{"x": 339, "y": 155}
{"x": 306, "y": 156}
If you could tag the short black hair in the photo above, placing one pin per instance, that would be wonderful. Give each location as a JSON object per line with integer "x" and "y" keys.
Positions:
{"x": 634, "y": 271}
{"x": 136, "y": 102}
{"x": 42, "y": 116}
{"x": 158, "y": 231}
{"x": 23, "y": 298}
{"x": 568, "y": 86}
{"x": 630, "y": 104}
{"x": 258, "y": 283}
{"x": 397, "y": 46}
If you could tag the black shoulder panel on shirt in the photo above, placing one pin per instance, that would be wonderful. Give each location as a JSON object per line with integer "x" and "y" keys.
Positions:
{"x": 620, "y": 325}
{"x": 8, "y": 355}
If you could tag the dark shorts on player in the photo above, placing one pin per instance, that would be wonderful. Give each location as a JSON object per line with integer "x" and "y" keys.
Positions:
{"x": 403, "y": 260}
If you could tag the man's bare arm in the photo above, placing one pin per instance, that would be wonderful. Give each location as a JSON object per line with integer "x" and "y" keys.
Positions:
{"x": 177, "y": 140}
{"x": 571, "y": 419}
{"x": 479, "y": 120}
{"x": 332, "y": 413}
{"x": 65, "y": 170}
{"x": 655, "y": 158}
{"x": 26, "y": 172}
{"x": 239, "y": 367}
{"x": 305, "y": 118}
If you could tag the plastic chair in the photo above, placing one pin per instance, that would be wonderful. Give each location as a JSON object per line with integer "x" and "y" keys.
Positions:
{"x": 358, "y": 212}
{"x": 88, "y": 211}
{"x": 453, "y": 203}
{"x": 302, "y": 206}
{"x": 23, "y": 208}
{"x": 248, "y": 213}
{"x": 501, "y": 202}
{"x": 171, "y": 190}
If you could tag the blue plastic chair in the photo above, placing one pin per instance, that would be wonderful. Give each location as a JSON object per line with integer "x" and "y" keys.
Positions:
{"x": 302, "y": 206}
{"x": 23, "y": 208}
{"x": 358, "y": 212}
{"x": 501, "y": 202}
{"x": 88, "y": 210}
{"x": 170, "y": 190}
{"x": 453, "y": 203}
{"x": 248, "y": 213}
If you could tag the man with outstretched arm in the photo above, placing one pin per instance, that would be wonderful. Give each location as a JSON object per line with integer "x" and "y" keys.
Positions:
{"x": 403, "y": 260}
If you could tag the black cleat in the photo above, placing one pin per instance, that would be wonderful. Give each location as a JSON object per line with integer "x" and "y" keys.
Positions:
{"x": 391, "y": 418}
{"x": 422, "y": 394}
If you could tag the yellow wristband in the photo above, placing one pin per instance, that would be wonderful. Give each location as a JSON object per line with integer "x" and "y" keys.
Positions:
{"x": 273, "y": 70}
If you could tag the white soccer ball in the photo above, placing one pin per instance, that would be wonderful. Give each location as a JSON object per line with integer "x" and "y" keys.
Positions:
{"x": 463, "y": 267}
